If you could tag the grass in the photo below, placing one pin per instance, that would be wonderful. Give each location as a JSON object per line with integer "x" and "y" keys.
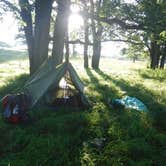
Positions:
{"x": 10, "y": 55}
{"x": 98, "y": 136}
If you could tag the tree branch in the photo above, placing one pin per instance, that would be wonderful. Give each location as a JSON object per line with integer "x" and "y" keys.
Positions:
{"x": 78, "y": 41}
{"x": 122, "y": 40}
{"x": 121, "y": 23}
{"x": 11, "y": 6}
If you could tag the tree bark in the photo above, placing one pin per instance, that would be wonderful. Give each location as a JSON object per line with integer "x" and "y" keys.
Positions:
{"x": 154, "y": 55}
{"x": 96, "y": 47}
{"x": 27, "y": 18}
{"x": 96, "y": 53}
{"x": 61, "y": 24}
{"x": 163, "y": 58}
{"x": 67, "y": 44}
{"x": 86, "y": 29}
{"x": 97, "y": 33}
{"x": 42, "y": 27}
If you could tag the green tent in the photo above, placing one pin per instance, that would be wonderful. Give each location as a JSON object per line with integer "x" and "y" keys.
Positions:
{"x": 47, "y": 77}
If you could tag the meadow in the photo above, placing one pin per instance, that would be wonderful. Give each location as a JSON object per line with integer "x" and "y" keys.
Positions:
{"x": 98, "y": 136}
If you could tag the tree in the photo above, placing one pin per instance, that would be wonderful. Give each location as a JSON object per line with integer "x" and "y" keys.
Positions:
{"x": 155, "y": 21}
{"x": 145, "y": 18}
{"x": 41, "y": 30}
{"x": 96, "y": 33}
{"x": 134, "y": 52}
{"x": 37, "y": 40}
{"x": 141, "y": 23}
{"x": 60, "y": 29}
{"x": 163, "y": 58}
{"x": 86, "y": 32}
{"x": 36, "y": 31}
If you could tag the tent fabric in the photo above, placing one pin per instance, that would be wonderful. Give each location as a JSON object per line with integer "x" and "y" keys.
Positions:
{"x": 47, "y": 76}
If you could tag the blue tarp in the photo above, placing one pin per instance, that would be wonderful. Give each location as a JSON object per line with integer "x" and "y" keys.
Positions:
{"x": 130, "y": 102}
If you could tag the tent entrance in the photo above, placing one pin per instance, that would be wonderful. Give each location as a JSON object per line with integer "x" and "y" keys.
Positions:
{"x": 43, "y": 86}
{"x": 64, "y": 95}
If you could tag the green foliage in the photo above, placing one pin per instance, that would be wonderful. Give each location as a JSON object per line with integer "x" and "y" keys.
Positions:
{"x": 134, "y": 52}
{"x": 99, "y": 136}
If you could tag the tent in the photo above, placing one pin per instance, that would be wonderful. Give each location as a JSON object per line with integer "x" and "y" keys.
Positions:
{"x": 47, "y": 79}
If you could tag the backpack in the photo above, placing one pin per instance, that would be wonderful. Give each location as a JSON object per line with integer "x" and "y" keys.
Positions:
{"x": 15, "y": 107}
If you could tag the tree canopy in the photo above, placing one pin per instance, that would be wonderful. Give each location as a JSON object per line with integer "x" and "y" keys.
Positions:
{"x": 141, "y": 22}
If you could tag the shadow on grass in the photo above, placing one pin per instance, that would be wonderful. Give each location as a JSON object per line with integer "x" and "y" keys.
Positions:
{"x": 159, "y": 75}
{"x": 14, "y": 85}
{"x": 55, "y": 138}
{"x": 157, "y": 110}
{"x": 128, "y": 133}
{"x": 105, "y": 92}
{"x": 9, "y": 55}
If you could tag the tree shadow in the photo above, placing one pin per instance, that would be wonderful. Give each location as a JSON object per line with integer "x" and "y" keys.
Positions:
{"x": 156, "y": 109}
{"x": 57, "y": 128}
{"x": 105, "y": 91}
{"x": 14, "y": 85}
{"x": 158, "y": 76}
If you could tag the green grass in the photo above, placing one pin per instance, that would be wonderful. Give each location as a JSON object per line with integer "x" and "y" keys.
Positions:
{"x": 10, "y": 55}
{"x": 98, "y": 136}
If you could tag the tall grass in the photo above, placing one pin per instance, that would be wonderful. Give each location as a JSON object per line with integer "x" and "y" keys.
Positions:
{"x": 101, "y": 135}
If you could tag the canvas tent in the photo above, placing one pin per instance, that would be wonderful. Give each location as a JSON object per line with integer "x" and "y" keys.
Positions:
{"x": 47, "y": 77}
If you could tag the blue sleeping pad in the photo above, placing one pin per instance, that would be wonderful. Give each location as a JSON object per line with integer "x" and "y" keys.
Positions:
{"x": 130, "y": 102}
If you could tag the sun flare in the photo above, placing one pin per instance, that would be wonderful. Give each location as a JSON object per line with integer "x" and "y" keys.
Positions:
{"x": 75, "y": 22}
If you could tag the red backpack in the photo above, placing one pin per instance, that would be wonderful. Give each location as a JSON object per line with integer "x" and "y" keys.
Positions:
{"x": 15, "y": 107}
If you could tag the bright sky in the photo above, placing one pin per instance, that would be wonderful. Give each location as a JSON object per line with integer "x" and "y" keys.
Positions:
{"x": 75, "y": 22}
{"x": 108, "y": 48}
{"x": 9, "y": 30}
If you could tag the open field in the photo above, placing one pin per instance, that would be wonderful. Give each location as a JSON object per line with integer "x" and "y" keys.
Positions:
{"x": 98, "y": 136}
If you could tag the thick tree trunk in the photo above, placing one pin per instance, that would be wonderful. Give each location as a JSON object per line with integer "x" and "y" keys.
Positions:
{"x": 154, "y": 55}
{"x": 27, "y": 18}
{"x": 96, "y": 54}
{"x": 42, "y": 27}
{"x": 61, "y": 24}
{"x": 37, "y": 39}
{"x": 96, "y": 47}
{"x": 67, "y": 44}
{"x": 158, "y": 54}
{"x": 97, "y": 33}
{"x": 86, "y": 29}
{"x": 163, "y": 58}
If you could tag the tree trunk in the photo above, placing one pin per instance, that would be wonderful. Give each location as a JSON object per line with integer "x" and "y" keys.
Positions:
{"x": 86, "y": 29}
{"x": 27, "y": 18}
{"x": 97, "y": 34}
{"x": 42, "y": 27}
{"x": 67, "y": 44}
{"x": 163, "y": 58}
{"x": 97, "y": 47}
{"x": 154, "y": 55}
{"x": 61, "y": 24}
{"x": 96, "y": 54}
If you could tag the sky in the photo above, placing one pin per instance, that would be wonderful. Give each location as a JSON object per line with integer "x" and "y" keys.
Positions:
{"x": 108, "y": 48}
{"x": 9, "y": 30}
